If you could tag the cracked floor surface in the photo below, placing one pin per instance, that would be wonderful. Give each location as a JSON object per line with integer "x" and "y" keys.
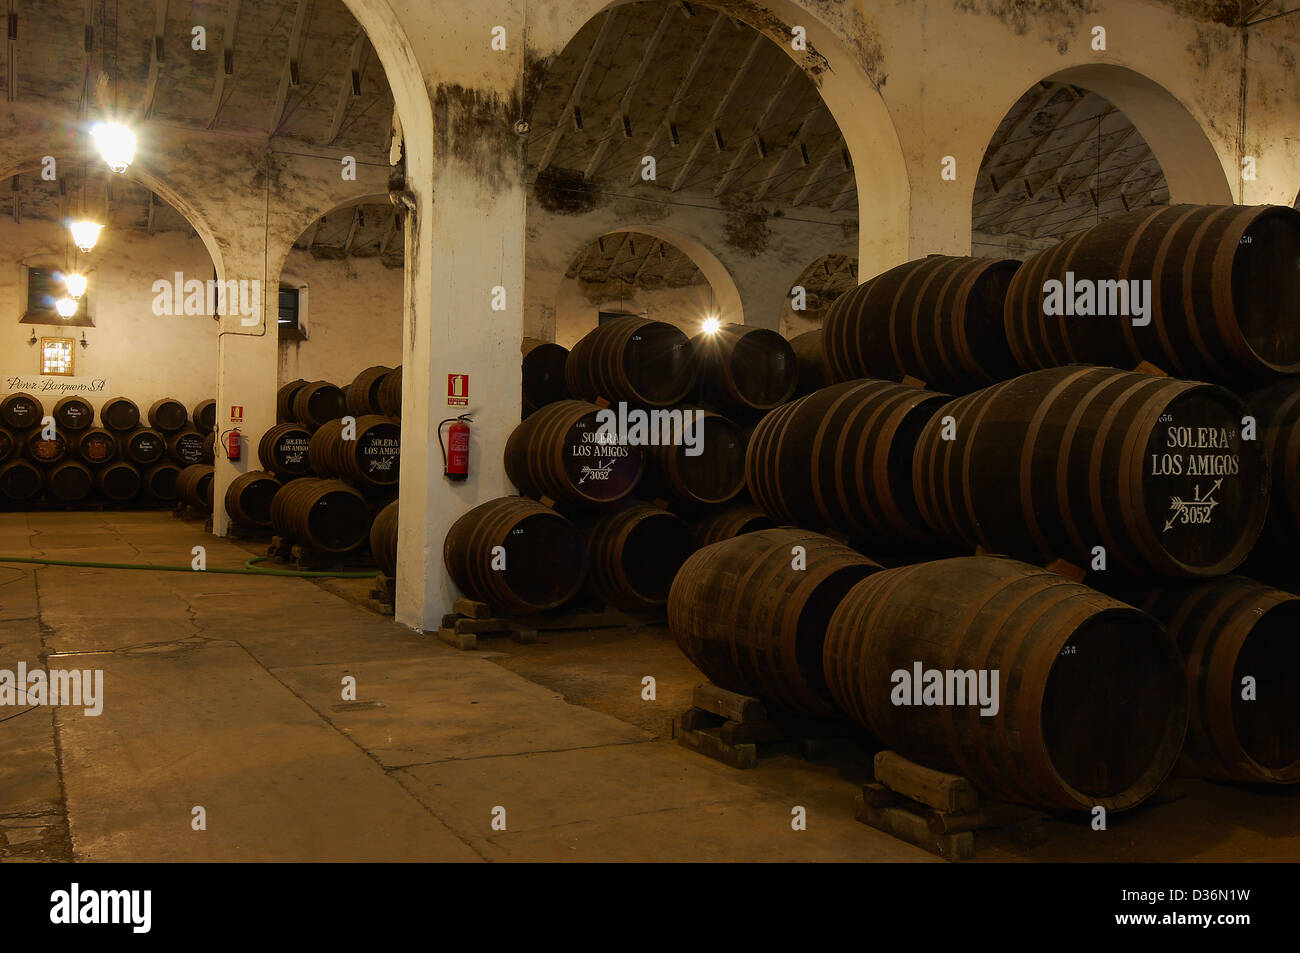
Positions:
{"x": 224, "y": 693}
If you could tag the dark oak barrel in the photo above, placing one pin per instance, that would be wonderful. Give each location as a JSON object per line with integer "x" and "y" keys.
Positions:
{"x": 194, "y": 486}
{"x": 631, "y": 359}
{"x": 284, "y": 401}
{"x": 45, "y": 450}
{"x": 96, "y": 446}
{"x": 634, "y": 554}
{"x": 119, "y": 414}
{"x": 21, "y": 411}
{"x": 936, "y": 319}
{"x": 1229, "y": 630}
{"x": 754, "y": 624}
{"x": 560, "y": 452}
{"x": 1091, "y": 701}
{"x": 20, "y": 481}
{"x": 1054, "y": 463}
{"x": 362, "y": 395}
{"x": 1276, "y": 410}
{"x": 119, "y": 481}
{"x": 168, "y": 415}
{"x": 186, "y": 447}
{"x": 69, "y": 482}
{"x": 204, "y": 415}
{"x": 1224, "y": 282}
{"x": 810, "y": 360}
{"x": 744, "y": 371}
{"x": 383, "y": 540}
{"x": 371, "y": 459}
{"x": 841, "y": 458}
{"x": 318, "y": 402}
{"x": 143, "y": 446}
{"x": 284, "y": 450}
{"x": 160, "y": 481}
{"x": 209, "y": 447}
{"x": 8, "y": 444}
{"x": 544, "y": 559}
{"x": 542, "y": 373}
{"x": 249, "y": 496}
{"x": 326, "y": 515}
{"x": 389, "y": 394}
{"x": 715, "y": 475}
{"x": 73, "y": 413}
{"x": 735, "y": 520}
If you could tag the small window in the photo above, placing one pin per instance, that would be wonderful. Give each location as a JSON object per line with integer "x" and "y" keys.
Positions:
{"x": 44, "y": 287}
{"x": 290, "y": 313}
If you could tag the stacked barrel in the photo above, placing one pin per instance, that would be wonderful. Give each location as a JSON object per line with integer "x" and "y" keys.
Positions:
{"x": 62, "y": 455}
{"x": 1122, "y": 410}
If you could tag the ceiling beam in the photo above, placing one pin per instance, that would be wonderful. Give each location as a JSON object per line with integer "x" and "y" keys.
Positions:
{"x": 645, "y": 261}
{"x": 155, "y": 57}
{"x": 573, "y": 105}
{"x": 1033, "y": 152}
{"x": 291, "y": 76}
{"x": 797, "y": 146}
{"x": 818, "y": 171}
{"x": 148, "y": 226}
{"x": 1089, "y": 137}
{"x": 613, "y": 262}
{"x": 351, "y": 85}
{"x": 315, "y": 231}
{"x": 226, "y": 66}
{"x": 17, "y": 202}
{"x": 792, "y": 70}
{"x": 87, "y": 58}
{"x": 711, "y": 131}
{"x": 1118, "y": 146}
{"x": 1136, "y": 167}
{"x": 388, "y": 236}
{"x": 845, "y": 197}
{"x": 11, "y": 53}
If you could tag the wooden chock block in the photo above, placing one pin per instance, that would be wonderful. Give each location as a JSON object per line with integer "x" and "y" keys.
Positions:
{"x": 727, "y": 704}
{"x": 1063, "y": 567}
{"x": 945, "y": 792}
{"x": 910, "y": 381}
{"x": 1146, "y": 367}
{"x": 471, "y": 609}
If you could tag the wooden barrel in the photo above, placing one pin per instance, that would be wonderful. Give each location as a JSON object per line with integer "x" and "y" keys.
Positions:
{"x": 194, "y": 486}
{"x": 1223, "y": 289}
{"x": 635, "y": 552}
{"x": 754, "y": 624}
{"x": 160, "y": 481}
{"x": 168, "y": 415}
{"x": 1231, "y": 630}
{"x": 8, "y": 445}
{"x": 119, "y": 414}
{"x": 119, "y": 481}
{"x": 562, "y": 453}
{"x": 699, "y": 461}
{"x": 735, "y": 520}
{"x": 46, "y": 450}
{"x": 383, "y": 540}
{"x": 20, "y": 481}
{"x": 69, "y": 482}
{"x": 362, "y": 395}
{"x": 1054, "y": 463}
{"x": 371, "y": 459}
{"x": 325, "y": 515}
{"x": 1276, "y": 410}
{"x": 73, "y": 414}
{"x": 544, "y": 559}
{"x": 143, "y": 446}
{"x": 389, "y": 394}
{"x": 209, "y": 453}
{"x": 96, "y": 446}
{"x": 631, "y": 359}
{"x": 317, "y": 402}
{"x": 249, "y": 496}
{"x": 21, "y": 411}
{"x": 283, "y": 450}
{"x": 186, "y": 447}
{"x": 811, "y": 363}
{"x": 543, "y": 374}
{"x": 1091, "y": 705}
{"x": 204, "y": 415}
{"x": 841, "y": 458}
{"x": 936, "y": 319}
{"x": 744, "y": 371}
{"x": 284, "y": 401}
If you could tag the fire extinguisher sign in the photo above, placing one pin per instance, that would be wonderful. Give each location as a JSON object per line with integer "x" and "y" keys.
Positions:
{"x": 457, "y": 390}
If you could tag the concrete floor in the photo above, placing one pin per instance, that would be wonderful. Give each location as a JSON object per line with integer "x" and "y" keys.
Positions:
{"x": 225, "y": 692}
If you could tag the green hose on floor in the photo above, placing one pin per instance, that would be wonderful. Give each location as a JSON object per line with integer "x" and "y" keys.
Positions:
{"x": 248, "y": 570}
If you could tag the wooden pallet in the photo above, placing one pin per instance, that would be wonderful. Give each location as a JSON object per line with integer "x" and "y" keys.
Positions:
{"x": 383, "y": 596}
{"x": 734, "y": 729}
{"x": 937, "y": 811}
{"x": 470, "y": 620}
{"x": 285, "y": 551}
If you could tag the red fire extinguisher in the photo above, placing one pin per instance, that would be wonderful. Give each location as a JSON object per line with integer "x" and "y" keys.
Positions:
{"x": 455, "y": 453}
{"x": 232, "y": 444}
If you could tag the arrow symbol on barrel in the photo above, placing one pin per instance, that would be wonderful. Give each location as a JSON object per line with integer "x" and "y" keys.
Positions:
{"x": 1180, "y": 506}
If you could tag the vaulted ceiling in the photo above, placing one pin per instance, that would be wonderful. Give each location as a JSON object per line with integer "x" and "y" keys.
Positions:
{"x": 619, "y": 265}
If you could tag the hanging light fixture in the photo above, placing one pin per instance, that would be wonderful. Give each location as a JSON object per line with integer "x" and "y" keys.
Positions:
{"x": 76, "y": 285}
{"x": 66, "y": 307}
{"x": 86, "y": 233}
{"x": 115, "y": 142}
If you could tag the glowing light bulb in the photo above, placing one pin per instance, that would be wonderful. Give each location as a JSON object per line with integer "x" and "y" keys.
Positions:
{"x": 86, "y": 233}
{"x": 115, "y": 142}
{"x": 66, "y": 307}
{"x": 76, "y": 284}
{"x": 710, "y": 325}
